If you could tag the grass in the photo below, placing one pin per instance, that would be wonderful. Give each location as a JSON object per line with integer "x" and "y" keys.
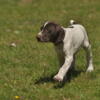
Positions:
{"x": 26, "y": 70}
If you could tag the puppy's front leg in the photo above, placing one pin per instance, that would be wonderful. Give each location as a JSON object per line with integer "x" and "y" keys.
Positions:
{"x": 64, "y": 69}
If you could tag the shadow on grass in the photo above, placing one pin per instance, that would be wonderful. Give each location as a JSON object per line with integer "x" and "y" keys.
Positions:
{"x": 49, "y": 79}
{"x": 70, "y": 75}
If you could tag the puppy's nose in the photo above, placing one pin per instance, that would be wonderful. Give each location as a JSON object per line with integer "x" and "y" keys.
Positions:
{"x": 38, "y": 38}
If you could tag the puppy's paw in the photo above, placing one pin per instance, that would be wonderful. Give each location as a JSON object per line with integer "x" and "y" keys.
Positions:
{"x": 58, "y": 78}
{"x": 90, "y": 69}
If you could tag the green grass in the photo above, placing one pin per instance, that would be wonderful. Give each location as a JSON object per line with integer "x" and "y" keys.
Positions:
{"x": 26, "y": 70}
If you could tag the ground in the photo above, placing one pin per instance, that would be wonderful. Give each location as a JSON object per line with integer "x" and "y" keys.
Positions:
{"x": 27, "y": 67}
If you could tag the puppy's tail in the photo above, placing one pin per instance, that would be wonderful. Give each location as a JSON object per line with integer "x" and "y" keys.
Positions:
{"x": 72, "y": 22}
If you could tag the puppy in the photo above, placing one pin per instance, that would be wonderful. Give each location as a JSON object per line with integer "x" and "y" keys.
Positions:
{"x": 67, "y": 42}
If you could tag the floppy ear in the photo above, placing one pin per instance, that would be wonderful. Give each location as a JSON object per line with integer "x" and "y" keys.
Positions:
{"x": 60, "y": 34}
{"x": 43, "y": 24}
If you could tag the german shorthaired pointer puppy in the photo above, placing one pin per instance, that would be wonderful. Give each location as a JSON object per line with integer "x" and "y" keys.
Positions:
{"x": 67, "y": 42}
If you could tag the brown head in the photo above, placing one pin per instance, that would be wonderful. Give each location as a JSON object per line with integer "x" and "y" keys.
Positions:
{"x": 51, "y": 32}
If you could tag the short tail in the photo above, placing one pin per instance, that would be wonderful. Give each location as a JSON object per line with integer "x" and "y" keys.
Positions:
{"x": 72, "y": 22}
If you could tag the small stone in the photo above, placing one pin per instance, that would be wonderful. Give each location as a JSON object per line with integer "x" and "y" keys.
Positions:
{"x": 13, "y": 44}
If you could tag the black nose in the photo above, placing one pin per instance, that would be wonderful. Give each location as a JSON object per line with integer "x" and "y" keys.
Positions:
{"x": 38, "y": 38}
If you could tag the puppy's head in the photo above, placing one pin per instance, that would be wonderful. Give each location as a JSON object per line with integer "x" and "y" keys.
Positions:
{"x": 51, "y": 32}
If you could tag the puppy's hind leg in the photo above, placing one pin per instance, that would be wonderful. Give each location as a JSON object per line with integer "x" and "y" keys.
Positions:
{"x": 87, "y": 48}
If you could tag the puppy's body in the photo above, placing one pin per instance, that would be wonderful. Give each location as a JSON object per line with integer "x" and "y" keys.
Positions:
{"x": 67, "y": 42}
{"x": 74, "y": 38}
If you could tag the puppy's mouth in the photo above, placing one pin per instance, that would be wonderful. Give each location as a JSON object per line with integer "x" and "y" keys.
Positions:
{"x": 40, "y": 39}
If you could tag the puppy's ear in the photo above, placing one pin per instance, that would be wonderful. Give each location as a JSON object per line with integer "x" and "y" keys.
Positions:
{"x": 43, "y": 24}
{"x": 60, "y": 34}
